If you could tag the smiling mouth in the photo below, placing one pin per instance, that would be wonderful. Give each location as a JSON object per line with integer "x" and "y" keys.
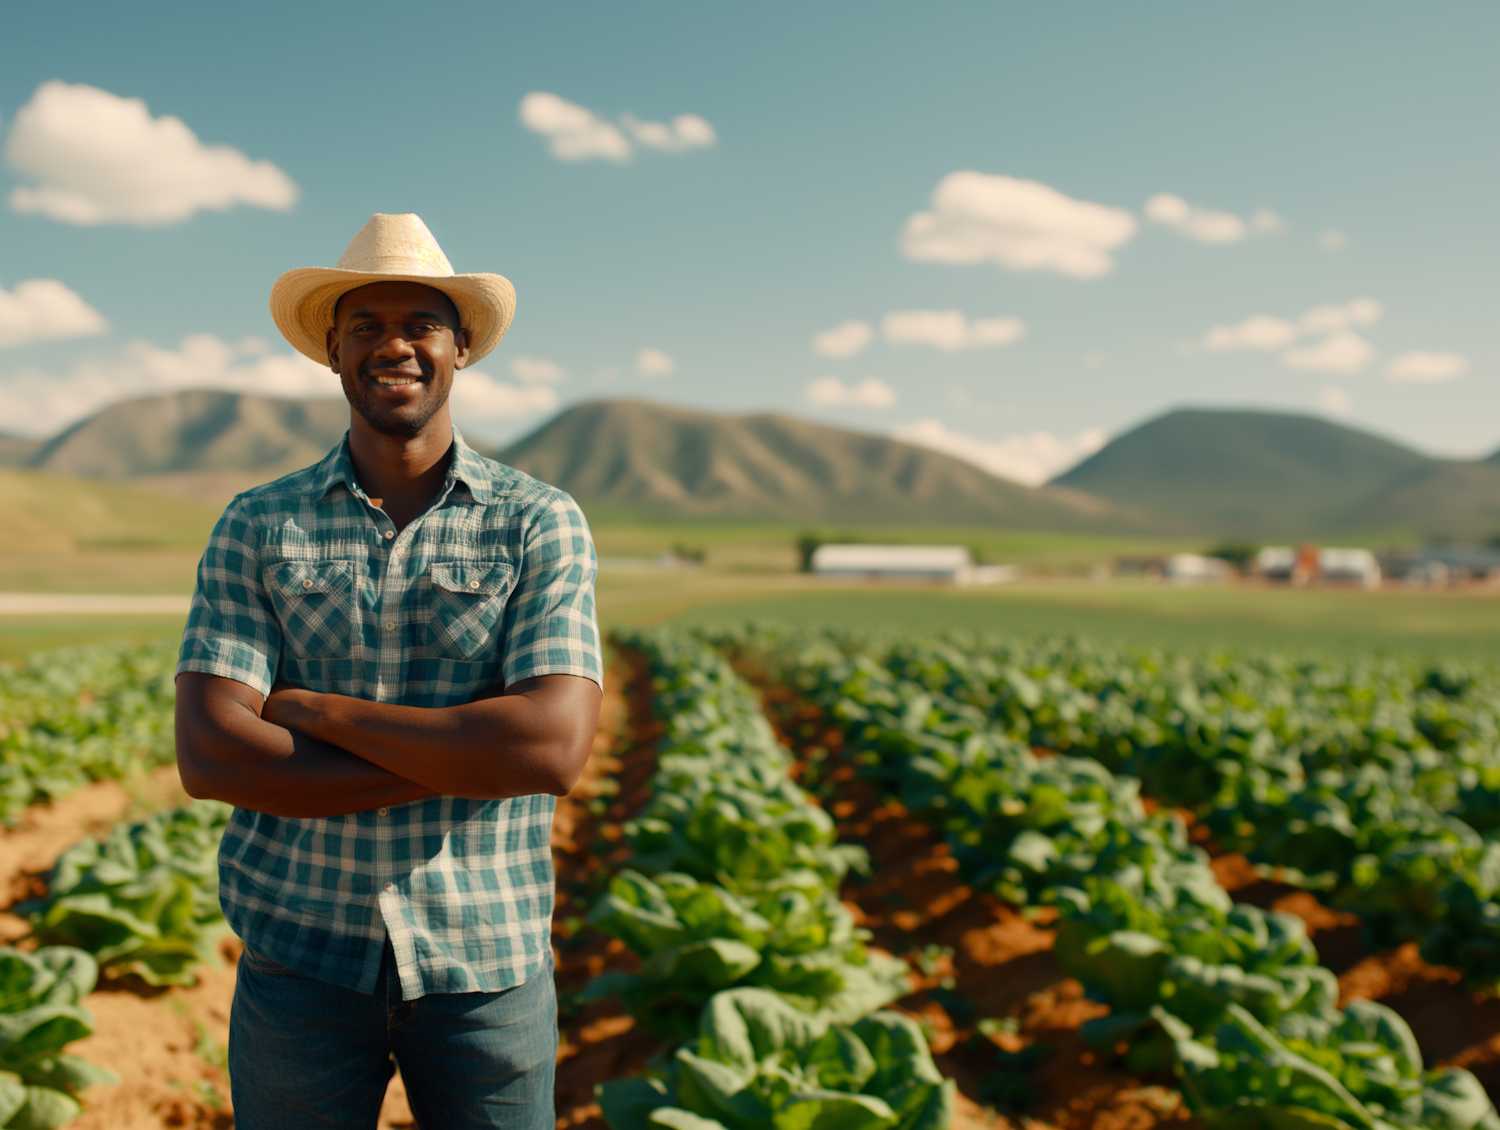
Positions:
{"x": 397, "y": 379}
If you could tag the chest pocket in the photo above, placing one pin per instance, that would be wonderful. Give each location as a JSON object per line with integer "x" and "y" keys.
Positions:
{"x": 468, "y": 603}
{"x": 315, "y": 600}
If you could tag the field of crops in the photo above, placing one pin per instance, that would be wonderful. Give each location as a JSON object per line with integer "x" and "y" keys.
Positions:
{"x": 823, "y": 880}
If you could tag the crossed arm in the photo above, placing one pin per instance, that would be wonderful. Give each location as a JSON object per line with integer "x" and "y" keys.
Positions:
{"x": 299, "y": 753}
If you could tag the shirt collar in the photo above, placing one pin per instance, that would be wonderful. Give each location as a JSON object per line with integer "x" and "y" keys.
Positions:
{"x": 466, "y": 468}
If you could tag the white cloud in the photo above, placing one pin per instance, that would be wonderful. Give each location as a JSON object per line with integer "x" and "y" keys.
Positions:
{"x": 1327, "y": 319}
{"x": 844, "y": 340}
{"x": 1203, "y": 224}
{"x": 654, "y": 363}
{"x": 949, "y": 330}
{"x": 1341, "y": 352}
{"x": 40, "y": 403}
{"x": 828, "y": 392}
{"x": 1033, "y": 458}
{"x": 685, "y": 131}
{"x": 1259, "y": 332}
{"x": 1267, "y": 222}
{"x": 1333, "y": 240}
{"x": 1420, "y": 367}
{"x": 575, "y": 132}
{"x": 45, "y": 310}
{"x": 1020, "y": 224}
{"x": 480, "y": 396}
{"x": 1335, "y": 401}
{"x": 98, "y": 158}
{"x": 536, "y": 370}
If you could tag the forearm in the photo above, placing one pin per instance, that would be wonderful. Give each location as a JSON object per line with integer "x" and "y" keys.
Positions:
{"x": 499, "y": 746}
{"x": 226, "y": 751}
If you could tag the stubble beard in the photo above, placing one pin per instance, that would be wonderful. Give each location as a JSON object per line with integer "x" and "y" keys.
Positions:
{"x": 390, "y": 422}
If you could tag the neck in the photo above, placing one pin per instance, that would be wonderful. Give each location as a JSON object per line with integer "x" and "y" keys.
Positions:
{"x": 401, "y": 474}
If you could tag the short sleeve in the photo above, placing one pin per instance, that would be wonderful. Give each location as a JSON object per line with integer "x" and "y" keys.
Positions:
{"x": 551, "y": 627}
{"x": 232, "y": 630}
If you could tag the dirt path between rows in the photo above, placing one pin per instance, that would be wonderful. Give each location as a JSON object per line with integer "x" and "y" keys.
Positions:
{"x": 168, "y": 1045}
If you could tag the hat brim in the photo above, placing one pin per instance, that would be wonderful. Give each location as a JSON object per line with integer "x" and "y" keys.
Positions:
{"x": 302, "y": 303}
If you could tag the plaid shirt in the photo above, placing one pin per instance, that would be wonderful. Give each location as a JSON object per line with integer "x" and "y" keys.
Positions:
{"x": 304, "y": 580}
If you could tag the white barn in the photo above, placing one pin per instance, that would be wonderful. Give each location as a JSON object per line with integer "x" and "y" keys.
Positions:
{"x": 950, "y": 564}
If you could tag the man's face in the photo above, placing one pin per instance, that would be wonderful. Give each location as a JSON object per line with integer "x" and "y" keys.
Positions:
{"x": 395, "y": 346}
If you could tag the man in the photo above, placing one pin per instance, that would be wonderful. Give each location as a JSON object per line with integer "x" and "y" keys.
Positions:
{"x": 391, "y": 668}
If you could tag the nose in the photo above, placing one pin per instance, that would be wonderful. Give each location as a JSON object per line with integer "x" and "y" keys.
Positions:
{"x": 394, "y": 345}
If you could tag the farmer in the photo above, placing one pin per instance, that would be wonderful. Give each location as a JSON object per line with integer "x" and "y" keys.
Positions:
{"x": 391, "y": 668}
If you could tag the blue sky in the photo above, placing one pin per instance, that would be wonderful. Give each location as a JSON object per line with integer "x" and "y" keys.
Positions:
{"x": 1322, "y": 238}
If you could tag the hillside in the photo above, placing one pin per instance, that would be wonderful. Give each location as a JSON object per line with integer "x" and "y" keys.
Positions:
{"x": 198, "y": 431}
{"x": 46, "y": 513}
{"x": 656, "y": 460}
{"x": 1264, "y": 475}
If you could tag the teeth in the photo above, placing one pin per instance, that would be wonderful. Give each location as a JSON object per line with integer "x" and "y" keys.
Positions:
{"x": 396, "y": 380}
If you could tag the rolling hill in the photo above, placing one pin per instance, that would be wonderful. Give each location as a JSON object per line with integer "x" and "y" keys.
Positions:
{"x": 655, "y": 460}
{"x": 194, "y": 432}
{"x": 1265, "y": 475}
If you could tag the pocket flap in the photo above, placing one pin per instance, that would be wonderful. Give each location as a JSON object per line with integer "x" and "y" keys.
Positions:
{"x": 482, "y": 578}
{"x": 301, "y": 578}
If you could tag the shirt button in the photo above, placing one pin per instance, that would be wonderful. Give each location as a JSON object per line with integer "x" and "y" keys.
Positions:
{"x": 389, "y": 534}
{"x": 473, "y": 584}
{"x": 401, "y": 551}
{"x": 390, "y": 626}
{"x": 390, "y": 886}
{"x": 307, "y": 584}
{"x": 382, "y": 811}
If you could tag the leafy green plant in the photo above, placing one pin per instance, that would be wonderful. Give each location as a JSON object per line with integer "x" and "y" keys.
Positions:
{"x": 40, "y": 1015}
{"x": 145, "y": 898}
{"x": 758, "y": 1062}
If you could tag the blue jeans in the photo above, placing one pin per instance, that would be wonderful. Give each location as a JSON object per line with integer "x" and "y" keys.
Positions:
{"x": 304, "y": 1053}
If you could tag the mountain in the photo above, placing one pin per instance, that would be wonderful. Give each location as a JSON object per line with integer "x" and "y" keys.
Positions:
{"x": 196, "y": 432}
{"x": 1266, "y": 475}
{"x": 655, "y": 460}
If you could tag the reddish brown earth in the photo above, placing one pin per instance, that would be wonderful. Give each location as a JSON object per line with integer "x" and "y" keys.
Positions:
{"x": 1002, "y": 964}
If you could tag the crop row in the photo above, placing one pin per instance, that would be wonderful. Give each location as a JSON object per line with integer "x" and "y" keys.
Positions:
{"x": 79, "y": 715}
{"x": 1231, "y": 995}
{"x": 748, "y": 955}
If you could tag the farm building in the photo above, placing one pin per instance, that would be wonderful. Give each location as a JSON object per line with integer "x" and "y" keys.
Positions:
{"x": 944, "y": 564}
{"x": 1306, "y": 563}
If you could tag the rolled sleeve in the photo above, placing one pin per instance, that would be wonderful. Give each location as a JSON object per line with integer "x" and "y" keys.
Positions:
{"x": 552, "y": 627}
{"x": 232, "y": 629}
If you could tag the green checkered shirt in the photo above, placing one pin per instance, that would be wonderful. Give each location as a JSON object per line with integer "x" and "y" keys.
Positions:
{"x": 305, "y": 581}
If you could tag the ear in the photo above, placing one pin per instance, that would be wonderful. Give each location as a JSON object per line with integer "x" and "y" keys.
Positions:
{"x": 331, "y": 339}
{"x": 461, "y": 341}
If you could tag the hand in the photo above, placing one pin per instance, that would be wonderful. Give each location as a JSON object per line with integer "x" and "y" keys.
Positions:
{"x": 290, "y": 707}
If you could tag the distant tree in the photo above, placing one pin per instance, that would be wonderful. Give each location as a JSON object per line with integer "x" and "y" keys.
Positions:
{"x": 1238, "y": 554}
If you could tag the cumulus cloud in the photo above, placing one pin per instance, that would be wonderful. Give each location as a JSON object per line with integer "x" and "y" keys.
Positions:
{"x": 1259, "y": 332}
{"x": 40, "y": 402}
{"x": 1327, "y": 319}
{"x": 1022, "y": 225}
{"x": 1333, "y": 240}
{"x": 1421, "y": 367}
{"x": 844, "y": 340}
{"x": 1341, "y": 352}
{"x": 1335, "y": 401}
{"x": 685, "y": 131}
{"x": 654, "y": 363}
{"x": 536, "y": 370}
{"x": 576, "y": 133}
{"x": 45, "y": 310}
{"x": 949, "y": 330}
{"x": 481, "y": 397}
{"x": 98, "y": 158}
{"x": 1202, "y": 224}
{"x": 1032, "y": 458}
{"x": 830, "y": 392}
{"x": 1267, "y": 222}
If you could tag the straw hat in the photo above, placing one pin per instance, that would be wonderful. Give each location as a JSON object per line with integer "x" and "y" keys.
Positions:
{"x": 389, "y": 249}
